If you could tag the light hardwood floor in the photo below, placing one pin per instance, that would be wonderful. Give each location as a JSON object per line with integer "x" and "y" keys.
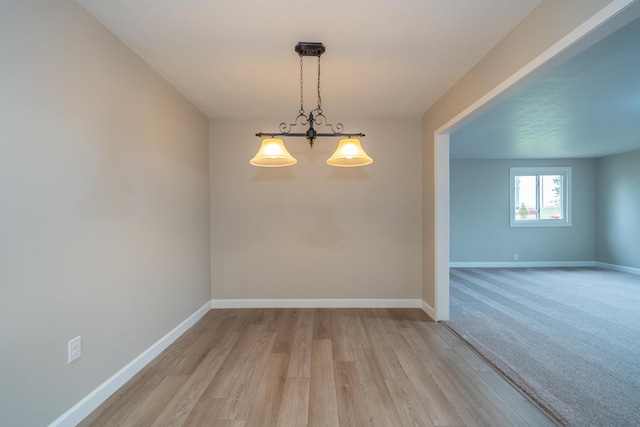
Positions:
{"x": 317, "y": 367}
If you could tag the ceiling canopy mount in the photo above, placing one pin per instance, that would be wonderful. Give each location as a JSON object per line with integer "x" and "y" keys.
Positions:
{"x": 310, "y": 49}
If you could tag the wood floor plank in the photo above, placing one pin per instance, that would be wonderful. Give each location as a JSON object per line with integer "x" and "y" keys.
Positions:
{"x": 475, "y": 417}
{"x": 323, "y": 410}
{"x": 269, "y": 318}
{"x": 300, "y": 360}
{"x": 439, "y": 407}
{"x": 205, "y": 413}
{"x": 402, "y": 318}
{"x": 148, "y": 410}
{"x": 356, "y": 333}
{"x": 179, "y": 408}
{"x": 341, "y": 349}
{"x": 285, "y": 331}
{"x": 380, "y": 406}
{"x": 387, "y": 360}
{"x": 246, "y": 379}
{"x": 294, "y": 408}
{"x": 351, "y": 408}
{"x": 389, "y": 323}
{"x": 409, "y": 405}
{"x": 249, "y": 317}
{"x": 236, "y": 361}
{"x": 433, "y": 361}
{"x": 339, "y": 341}
{"x": 321, "y": 324}
{"x": 266, "y": 404}
{"x": 338, "y": 325}
{"x": 432, "y": 337}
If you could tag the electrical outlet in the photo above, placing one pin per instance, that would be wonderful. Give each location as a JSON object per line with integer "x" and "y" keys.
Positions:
{"x": 74, "y": 349}
{"x": 515, "y": 257}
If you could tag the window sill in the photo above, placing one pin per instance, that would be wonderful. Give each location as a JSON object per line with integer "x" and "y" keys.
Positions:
{"x": 540, "y": 224}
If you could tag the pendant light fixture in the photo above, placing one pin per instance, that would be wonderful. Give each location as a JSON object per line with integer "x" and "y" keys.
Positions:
{"x": 273, "y": 153}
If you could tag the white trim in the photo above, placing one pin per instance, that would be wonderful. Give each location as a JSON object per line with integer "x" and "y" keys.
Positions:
{"x": 441, "y": 309}
{"x": 621, "y": 268}
{"x": 536, "y": 264}
{"x": 315, "y": 303}
{"x": 429, "y": 310}
{"x": 94, "y": 399}
{"x": 520, "y": 264}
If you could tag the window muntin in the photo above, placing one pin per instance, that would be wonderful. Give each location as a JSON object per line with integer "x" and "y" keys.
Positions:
{"x": 540, "y": 197}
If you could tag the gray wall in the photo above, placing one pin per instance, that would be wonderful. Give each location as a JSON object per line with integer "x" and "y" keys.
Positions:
{"x": 479, "y": 215}
{"x": 104, "y": 207}
{"x": 618, "y": 210}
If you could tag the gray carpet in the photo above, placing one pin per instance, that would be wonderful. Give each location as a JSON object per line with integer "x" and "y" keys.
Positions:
{"x": 568, "y": 337}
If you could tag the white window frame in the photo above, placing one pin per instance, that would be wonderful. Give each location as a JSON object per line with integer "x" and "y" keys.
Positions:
{"x": 565, "y": 171}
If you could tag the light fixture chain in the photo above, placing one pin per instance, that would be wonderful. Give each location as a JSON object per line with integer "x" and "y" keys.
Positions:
{"x": 301, "y": 112}
{"x": 280, "y": 157}
{"x": 319, "y": 97}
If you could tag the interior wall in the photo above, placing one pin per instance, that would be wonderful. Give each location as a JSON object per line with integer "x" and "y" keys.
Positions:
{"x": 550, "y": 22}
{"x": 479, "y": 214}
{"x": 104, "y": 211}
{"x": 618, "y": 207}
{"x": 313, "y": 231}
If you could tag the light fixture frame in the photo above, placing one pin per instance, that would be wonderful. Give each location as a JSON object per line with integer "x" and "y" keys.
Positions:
{"x": 315, "y": 116}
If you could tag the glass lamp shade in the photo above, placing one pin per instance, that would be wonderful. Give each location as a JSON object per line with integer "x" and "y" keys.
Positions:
{"x": 273, "y": 154}
{"x": 349, "y": 153}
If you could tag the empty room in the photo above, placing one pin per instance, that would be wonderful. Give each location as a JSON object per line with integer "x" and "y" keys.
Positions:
{"x": 241, "y": 213}
{"x": 545, "y": 281}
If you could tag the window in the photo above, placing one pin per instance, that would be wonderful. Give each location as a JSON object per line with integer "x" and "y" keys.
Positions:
{"x": 540, "y": 197}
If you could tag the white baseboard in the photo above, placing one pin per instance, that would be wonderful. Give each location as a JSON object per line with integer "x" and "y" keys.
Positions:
{"x": 520, "y": 264}
{"x": 535, "y": 264}
{"x": 94, "y": 399}
{"x": 429, "y": 310}
{"x": 621, "y": 268}
{"x": 315, "y": 303}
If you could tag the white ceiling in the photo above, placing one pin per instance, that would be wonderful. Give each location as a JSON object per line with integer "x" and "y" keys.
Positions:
{"x": 587, "y": 107}
{"x": 235, "y": 58}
